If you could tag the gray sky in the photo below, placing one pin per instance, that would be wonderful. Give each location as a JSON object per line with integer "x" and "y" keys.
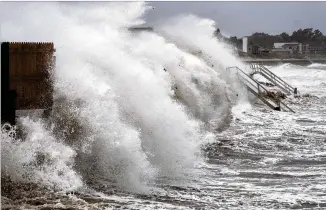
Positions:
{"x": 245, "y": 18}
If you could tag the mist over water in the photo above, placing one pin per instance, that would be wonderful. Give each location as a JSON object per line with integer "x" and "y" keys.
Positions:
{"x": 128, "y": 108}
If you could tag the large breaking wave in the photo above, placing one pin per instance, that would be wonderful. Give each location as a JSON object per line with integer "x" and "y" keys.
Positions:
{"x": 128, "y": 108}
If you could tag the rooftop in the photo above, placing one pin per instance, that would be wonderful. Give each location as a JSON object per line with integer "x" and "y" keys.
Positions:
{"x": 279, "y": 45}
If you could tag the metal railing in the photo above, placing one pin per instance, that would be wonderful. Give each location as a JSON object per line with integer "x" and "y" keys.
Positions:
{"x": 262, "y": 70}
{"x": 257, "y": 89}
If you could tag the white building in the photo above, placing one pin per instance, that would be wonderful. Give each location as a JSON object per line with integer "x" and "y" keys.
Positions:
{"x": 295, "y": 47}
{"x": 281, "y": 51}
{"x": 278, "y": 45}
{"x": 245, "y": 44}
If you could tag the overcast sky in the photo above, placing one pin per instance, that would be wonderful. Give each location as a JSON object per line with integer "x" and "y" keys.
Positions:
{"x": 245, "y": 18}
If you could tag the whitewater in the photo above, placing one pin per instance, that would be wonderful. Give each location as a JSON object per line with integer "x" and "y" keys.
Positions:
{"x": 153, "y": 120}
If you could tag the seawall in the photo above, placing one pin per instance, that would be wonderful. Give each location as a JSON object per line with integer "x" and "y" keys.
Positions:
{"x": 273, "y": 62}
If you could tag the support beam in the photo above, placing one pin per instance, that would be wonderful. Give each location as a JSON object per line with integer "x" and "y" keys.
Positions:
{"x": 8, "y": 97}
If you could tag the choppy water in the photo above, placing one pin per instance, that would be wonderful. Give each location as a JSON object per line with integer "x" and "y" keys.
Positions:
{"x": 127, "y": 134}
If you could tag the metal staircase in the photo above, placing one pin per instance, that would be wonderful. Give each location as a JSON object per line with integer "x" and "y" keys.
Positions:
{"x": 260, "y": 91}
{"x": 273, "y": 78}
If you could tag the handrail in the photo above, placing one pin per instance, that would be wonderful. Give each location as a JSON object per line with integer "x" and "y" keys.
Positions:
{"x": 284, "y": 87}
{"x": 258, "y": 68}
{"x": 274, "y": 76}
{"x": 258, "y": 88}
{"x": 266, "y": 71}
{"x": 271, "y": 74}
{"x": 251, "y": 79}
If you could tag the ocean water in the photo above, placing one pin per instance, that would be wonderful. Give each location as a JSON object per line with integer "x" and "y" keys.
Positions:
{"x": 140, "y": 121}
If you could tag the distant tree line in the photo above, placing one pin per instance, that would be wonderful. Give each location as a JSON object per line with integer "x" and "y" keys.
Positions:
{"x": 267, "y": 41}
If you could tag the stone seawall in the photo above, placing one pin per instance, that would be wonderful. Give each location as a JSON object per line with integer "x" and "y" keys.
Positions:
{"x": 274, "y": 62}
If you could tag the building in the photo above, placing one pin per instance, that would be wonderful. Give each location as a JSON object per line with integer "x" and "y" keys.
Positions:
{"x": 289, "y": 45}
{"x": 282, "y": 52}
{"x": 253, "y": 49}
{"x": 311, "y": 47}
{"x": 263, "y": 51}
{"x": 295, "y": 47}
{"x": 316, "y": 47}
{"x": 245, "y": 44}
{"x": 292, "y": 46}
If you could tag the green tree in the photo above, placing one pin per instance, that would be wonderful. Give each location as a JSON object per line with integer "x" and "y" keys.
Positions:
{"x": 318, "y": 35}
{"x": 285, "y": 37}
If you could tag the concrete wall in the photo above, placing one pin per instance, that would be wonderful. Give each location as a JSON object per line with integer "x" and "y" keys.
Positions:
{"x": 273, "y": 62}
